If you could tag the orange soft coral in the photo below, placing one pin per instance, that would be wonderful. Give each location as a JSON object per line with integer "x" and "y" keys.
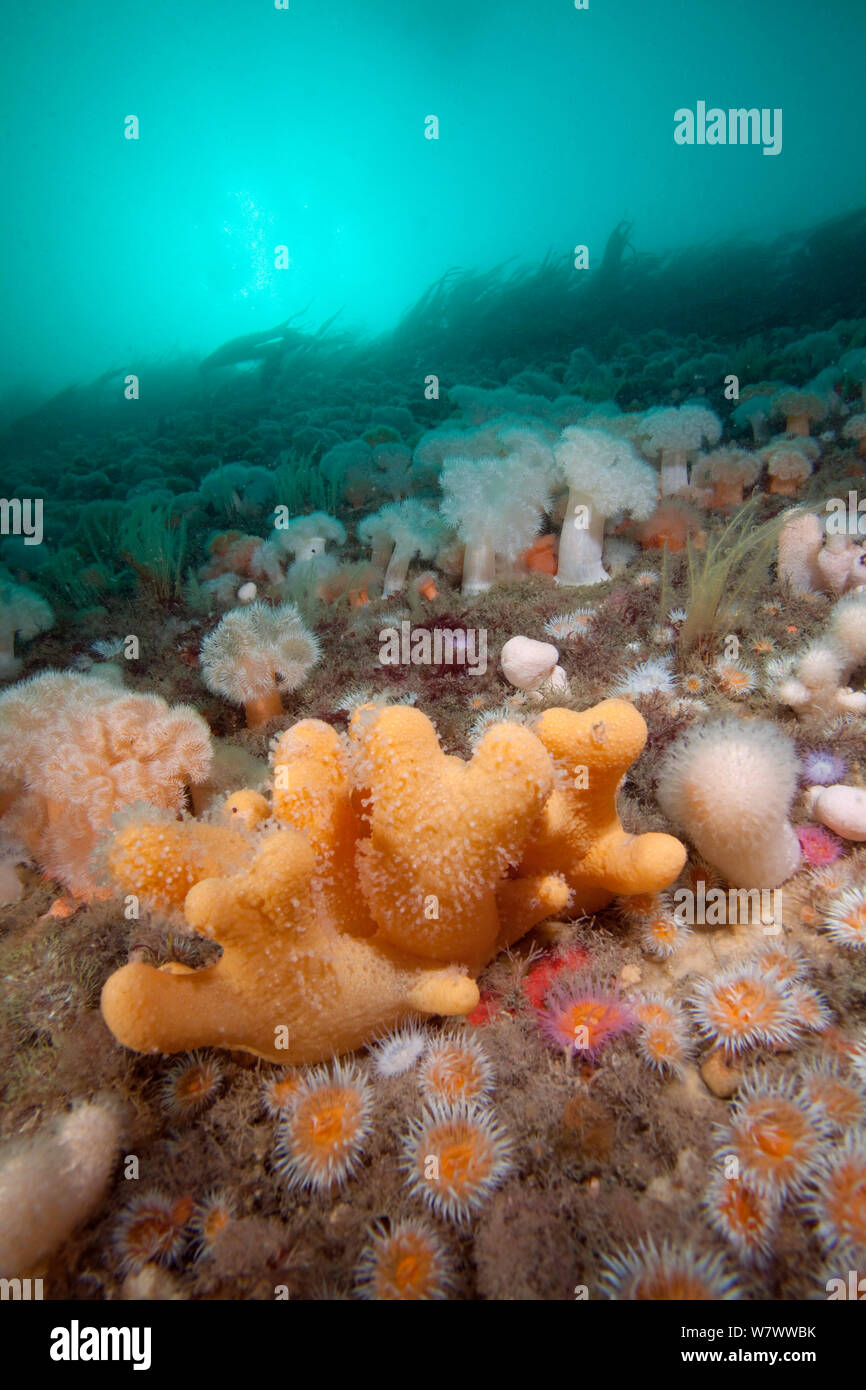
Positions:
{"x": 288, "y": 987}
{"x": 579, "y": 834}
{"x": 158, "y": 860}
{"x": 391, "y": 880}
{"x": 442, "y": 832}
{"x": 76, "y": 749}
{"x": 313, "y": 794}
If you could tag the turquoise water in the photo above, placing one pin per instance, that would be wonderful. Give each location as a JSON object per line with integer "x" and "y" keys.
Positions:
{"x": 305, "y": 128}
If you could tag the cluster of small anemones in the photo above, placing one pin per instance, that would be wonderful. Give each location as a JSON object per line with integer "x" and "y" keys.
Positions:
{"x": 666, "y": 1273}
{"x": 663, "y": 1033}
{"x": 455, "y": 1153}
{"x": 756, "y": 1004}
{"x": 769, "y": 1152}
{"x": 566, "y": 625}
{"x": 783, "y": 1143}
{"x": 153, "y": 1229}
{"x": 321, "y": 1134}
{"x": 733, "y": 678}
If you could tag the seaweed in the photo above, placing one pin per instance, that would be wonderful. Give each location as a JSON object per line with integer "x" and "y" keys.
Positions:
{"x": 733, "y": 566}
{"x": 153, "y": 541}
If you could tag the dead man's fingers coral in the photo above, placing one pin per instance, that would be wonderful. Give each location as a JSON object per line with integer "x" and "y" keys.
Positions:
{"x": 159, "y": 860}
{"x": 313, "y": 795}
{"x": 579, "y": 834}
{"x": 524, "y": 902}
{"x": 289, "y": 986}
{"x": 442, "y": 832}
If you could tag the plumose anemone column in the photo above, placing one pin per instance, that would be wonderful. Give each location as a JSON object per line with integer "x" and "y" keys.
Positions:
{"x": 415, "y": 529}
{"x": 255, "y": 653}
{"x": 23, "y": 613}
{"x": 729, "y": 785}
{"x": 817, "y": 685}
{"x": 604, "y": 476}
{"x": 496, "y": 503}
{"x": 670, "y": 434}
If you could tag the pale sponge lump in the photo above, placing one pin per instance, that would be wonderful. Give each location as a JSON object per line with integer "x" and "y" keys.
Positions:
{"x": 53, "y": 1182}
{"x": 729, "y": 785}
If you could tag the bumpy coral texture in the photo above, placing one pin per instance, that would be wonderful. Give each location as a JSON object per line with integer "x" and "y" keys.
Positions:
{"x": 313, "y": 795}
{"x": 580, "y": 834}
{"x": 386, "y": 885}
{"x": 159, "y": 860}
{"x": 74, "y": 750}
{"x": 288, "y": 986}
{"x": 442, "y": 832}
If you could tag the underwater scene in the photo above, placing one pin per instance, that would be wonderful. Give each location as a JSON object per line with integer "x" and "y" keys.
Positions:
{"x": 433, "y": 652}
